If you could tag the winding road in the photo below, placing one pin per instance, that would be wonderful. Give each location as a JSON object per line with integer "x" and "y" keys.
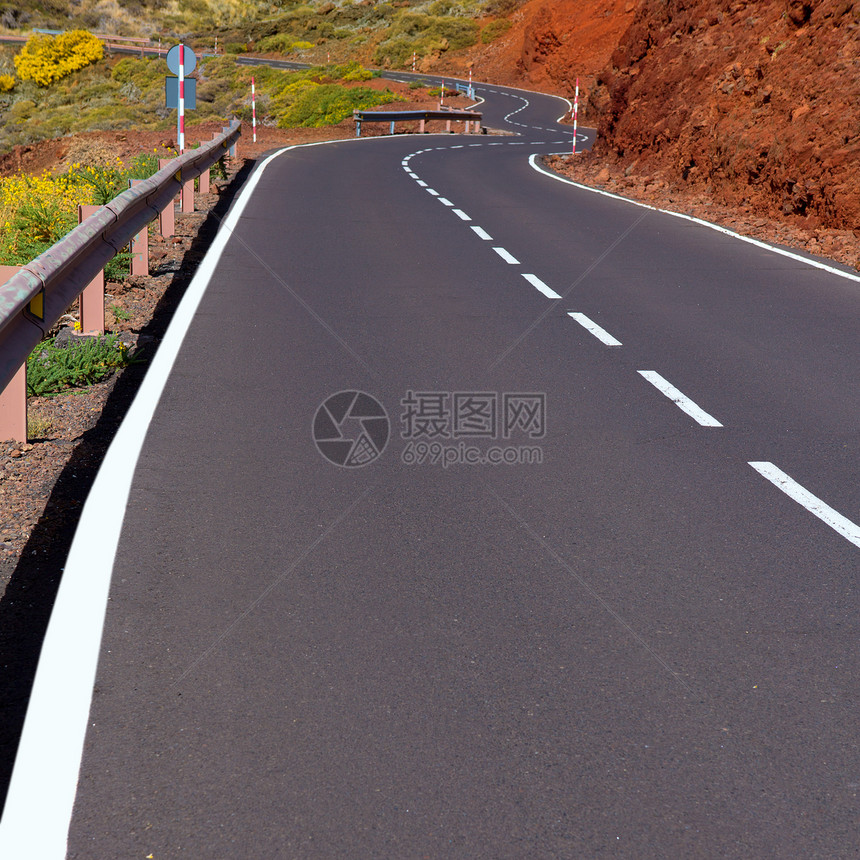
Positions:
{"x": 466, "y": 512}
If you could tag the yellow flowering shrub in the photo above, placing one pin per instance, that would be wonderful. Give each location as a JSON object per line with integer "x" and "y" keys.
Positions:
{"x": 7, "y": 82}
{"x": 45, "y": 59}
{"x": 36, "y": 211}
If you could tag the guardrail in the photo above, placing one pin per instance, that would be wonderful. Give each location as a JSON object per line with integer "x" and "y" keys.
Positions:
{"x": 33, "y": 300}
{"x": 422, "y": 116}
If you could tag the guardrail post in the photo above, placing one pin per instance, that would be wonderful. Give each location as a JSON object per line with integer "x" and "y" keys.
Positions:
{"x": 167, "y": 216}
{"x": 204, "y": 182}
{"x": 421, "y": 126}
{"x": 232, "y": 150}
{"x": 447, "y": 125}
{"x": 92, "y": 303}
{"x": 391, "y": 128}
{"x": 186, "y": 196}
{"x": 13, "y": 398}
{"x": 139, "y": 245}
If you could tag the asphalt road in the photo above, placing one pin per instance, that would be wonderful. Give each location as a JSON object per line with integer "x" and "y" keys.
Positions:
{"x": 639, "y": 646}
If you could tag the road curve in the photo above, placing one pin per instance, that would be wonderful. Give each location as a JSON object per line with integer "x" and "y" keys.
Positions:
{"x": 636, "y": 637}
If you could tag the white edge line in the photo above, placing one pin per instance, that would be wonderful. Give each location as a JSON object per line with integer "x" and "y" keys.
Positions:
{"x": 680, "y": 400}
{"x": 850, "y": 531}
{"x": 589, "y": 325}
{"x": 539, "y": 285}
{"x": 724, "y": 230}
{"x": 43, "y": 786}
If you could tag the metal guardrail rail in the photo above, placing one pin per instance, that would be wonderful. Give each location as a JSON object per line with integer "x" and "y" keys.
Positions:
{"x": 422, "y": 116}
{"x": 33, "y": 300}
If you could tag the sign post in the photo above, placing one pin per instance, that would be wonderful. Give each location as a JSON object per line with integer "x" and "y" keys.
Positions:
{"x": 181, "y": 92}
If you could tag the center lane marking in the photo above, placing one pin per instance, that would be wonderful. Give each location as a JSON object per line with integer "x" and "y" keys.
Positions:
{"x": 850, "y": 531}
{"x": 539, "y": 285}
{"x": 680, "y": 400}
{"x": 600, "y": 333}
{"x": 507, "y": 256}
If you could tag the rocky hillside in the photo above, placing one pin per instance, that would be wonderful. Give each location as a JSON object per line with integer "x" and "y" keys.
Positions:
{"x": 755, "y": 103}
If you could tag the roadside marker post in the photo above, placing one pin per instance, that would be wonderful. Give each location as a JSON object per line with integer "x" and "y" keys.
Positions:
{"x": 254, "y": 109}
{"x": 575, "y": 114}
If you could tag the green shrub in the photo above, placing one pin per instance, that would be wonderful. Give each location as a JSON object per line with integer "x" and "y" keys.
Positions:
{"x": 106, "y": 181}
{"x": 352, "y": 71}
{"x": 424, "y": 34}
{"x": 495, "y": 29}
{"x": 235, "y": 48}
{"x": 329, "y": 104}
{"x": 52, "y": 369}
{"x": 283, "y": 43}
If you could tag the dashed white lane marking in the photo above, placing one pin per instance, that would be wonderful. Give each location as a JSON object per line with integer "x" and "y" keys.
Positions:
{"x": 461, "y": 215}
{"x": 445, "y": 201}
{"x": 507, "y": 256}
{"x": 680, "y": 400}
{"x": 413, "y": 175}
{"x": 483, "y": 234}
{"x": 600, "y": 333}
{"x": 850, "y": 531}
{"x": 539, "y": 285}
{"x": 459, "y": 146}
{"x": 724, "y": 230}
{"x": 422, "y": 183}
{"x": 432, "y": 191}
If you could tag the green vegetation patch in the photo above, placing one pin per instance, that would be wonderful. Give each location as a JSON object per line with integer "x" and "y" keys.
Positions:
{"x": 423, "y": 34}
{"x": 328, "y": 104}
{"x": 495, "y": 29}
{"x": 52, "y": 369}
